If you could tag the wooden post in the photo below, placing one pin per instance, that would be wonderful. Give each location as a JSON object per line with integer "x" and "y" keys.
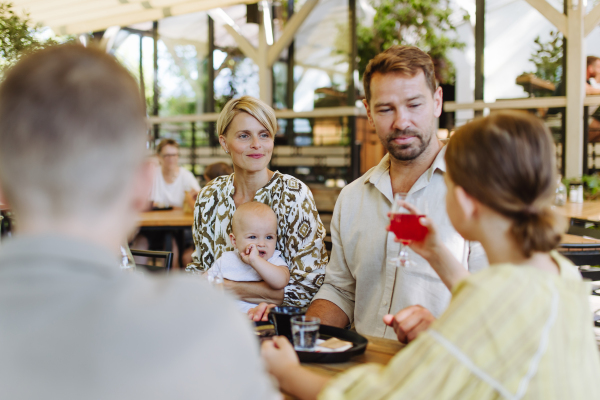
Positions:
{"x": 265, "y": 70}
{"x": 575, "y": 90}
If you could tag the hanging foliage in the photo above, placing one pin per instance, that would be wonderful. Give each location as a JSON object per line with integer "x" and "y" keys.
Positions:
{"x": 17, "y": 36}
{"x": 426, "y": 24}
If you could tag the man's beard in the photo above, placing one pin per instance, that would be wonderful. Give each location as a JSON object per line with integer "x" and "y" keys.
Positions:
{"x": 407, "y": 152}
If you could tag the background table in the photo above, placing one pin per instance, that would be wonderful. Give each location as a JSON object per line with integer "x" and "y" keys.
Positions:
{"x": 171, "y": 222}
{"x": 168, "y": 218}
{"x": 589, "y": 209}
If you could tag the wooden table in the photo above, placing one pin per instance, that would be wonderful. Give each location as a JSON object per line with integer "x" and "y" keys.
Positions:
{"x": 171, "y": 222}
{"x": 169, "y": 218}
{"x": 378, "y": 351}
{"x": 589, "y": 209}
{"x": 573, "y": 239}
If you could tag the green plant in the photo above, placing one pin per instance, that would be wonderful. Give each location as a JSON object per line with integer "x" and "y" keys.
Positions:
{"x": 591, "y": 185}
{"x": 547, "y": 58}
{"x": 422, "y": 23}
{"x": 17, "y": 36}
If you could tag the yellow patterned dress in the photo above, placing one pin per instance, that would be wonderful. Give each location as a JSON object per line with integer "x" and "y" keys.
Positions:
{"x": 510, "y": 332}
{"x": 300, "y": 232}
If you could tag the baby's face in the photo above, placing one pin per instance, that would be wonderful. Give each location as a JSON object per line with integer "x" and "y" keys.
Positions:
{"x": 259, "y": 230}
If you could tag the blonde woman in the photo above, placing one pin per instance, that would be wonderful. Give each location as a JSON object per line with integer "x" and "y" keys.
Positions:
{"x": 246, "y": 129}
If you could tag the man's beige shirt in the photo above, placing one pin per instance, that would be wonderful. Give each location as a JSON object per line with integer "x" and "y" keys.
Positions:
{"x": 361, "y": 279}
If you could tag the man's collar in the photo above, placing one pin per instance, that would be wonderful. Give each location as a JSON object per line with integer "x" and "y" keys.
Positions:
{"x": 374, "y": 175}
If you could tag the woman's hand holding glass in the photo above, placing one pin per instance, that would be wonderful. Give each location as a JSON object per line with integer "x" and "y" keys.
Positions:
{"x": 405, "y": 224}
{"x": 434, "y": 251}
{"x": 430, "y": 243}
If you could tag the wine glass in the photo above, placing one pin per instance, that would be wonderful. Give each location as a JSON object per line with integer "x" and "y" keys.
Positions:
{"x": 407, "y": 228}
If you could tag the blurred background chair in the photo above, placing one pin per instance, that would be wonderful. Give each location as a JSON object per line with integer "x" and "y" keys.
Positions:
{"x": 157, "y": 261}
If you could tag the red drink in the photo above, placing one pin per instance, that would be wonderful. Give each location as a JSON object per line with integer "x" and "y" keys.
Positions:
{"x": 407, "y": 227}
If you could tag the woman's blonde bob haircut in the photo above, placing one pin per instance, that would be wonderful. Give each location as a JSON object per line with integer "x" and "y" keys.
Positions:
{"x": 250, "y": 105}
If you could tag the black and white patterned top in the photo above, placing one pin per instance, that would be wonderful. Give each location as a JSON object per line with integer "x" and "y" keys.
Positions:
{"x": 300, "y": 232}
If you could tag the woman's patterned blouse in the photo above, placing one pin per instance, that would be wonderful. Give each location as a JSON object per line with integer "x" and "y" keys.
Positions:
{"x": 300, "y": 232}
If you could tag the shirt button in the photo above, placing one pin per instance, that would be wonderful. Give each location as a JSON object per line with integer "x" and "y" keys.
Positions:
{"x": 385, "y": 303}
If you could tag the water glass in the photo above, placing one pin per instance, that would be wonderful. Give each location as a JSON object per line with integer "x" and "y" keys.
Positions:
{"x": 215, "y": 277}
{"x": 126, "y": 259}
{"x": 305, "y": 331}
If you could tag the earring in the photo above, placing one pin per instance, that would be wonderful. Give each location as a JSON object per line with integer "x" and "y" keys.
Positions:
{"x": 226, "y": 151}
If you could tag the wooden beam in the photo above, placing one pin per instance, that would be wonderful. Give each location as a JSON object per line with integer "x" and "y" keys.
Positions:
{"x": 575, "y": 94}
{"x": 525, "y": 103}
{"x": 265, "y": 70}
{"x": 290, "y": 30}
{"x": 326, "y": 112}
{"x": 91, "y": 23}
{"x": 591, "y": 20}
{"x": 243, "y": 43}
{"x": 556, "y": 18}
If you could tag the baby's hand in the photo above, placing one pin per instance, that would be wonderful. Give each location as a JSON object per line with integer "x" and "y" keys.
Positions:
{"x": 250, "y": 254}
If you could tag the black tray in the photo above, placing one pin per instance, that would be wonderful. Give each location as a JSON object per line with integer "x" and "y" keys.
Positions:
{"x": 264, "y": 330}
{"x": 325, "y": 332}
{"x": 161, "y": 208}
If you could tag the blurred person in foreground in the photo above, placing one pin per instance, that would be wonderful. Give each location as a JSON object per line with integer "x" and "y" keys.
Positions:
{"x": 521, "y": 329}
{"x": 72, "y": 326}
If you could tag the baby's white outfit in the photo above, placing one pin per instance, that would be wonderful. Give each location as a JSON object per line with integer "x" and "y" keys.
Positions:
{"x": 233, "y": 268}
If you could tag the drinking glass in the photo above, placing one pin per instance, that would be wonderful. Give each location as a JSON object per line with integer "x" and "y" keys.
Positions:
{"x": 215, "y": 276}
{"x": 406, "y": 227}
{"x": 126, "y": 259}
{"x": 305, "y": 331}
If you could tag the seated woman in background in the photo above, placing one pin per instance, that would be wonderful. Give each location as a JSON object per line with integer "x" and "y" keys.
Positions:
{"x": 519, "y": 329}
{"x": 173, "y": 186}
{"x": 246, "y": 129}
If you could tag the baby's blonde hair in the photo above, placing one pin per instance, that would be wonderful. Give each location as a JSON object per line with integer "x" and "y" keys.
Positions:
{"x": 252, "y": 207}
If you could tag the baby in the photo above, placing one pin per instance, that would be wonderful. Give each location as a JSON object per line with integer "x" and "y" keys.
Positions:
{"x": 254, "y": 235}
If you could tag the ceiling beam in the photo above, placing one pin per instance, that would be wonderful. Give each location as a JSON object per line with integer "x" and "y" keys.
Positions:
{"x": 591, "y": 20}
{"x": 556, "y": 18}
{"x": 290, "y": 30}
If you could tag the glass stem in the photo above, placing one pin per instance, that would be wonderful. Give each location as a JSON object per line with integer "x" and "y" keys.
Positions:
{"x": 403, "y": 258}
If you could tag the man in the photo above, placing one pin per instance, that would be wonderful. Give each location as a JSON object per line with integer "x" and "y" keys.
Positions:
{"x": 362, "y": 284}
{"x": 72, "y": 326}
{"x": 592, "y": 73}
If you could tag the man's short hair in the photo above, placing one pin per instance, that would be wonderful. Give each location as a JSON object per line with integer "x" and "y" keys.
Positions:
{"x": 590, "y": 60}
{"x": 72, "y": 131}
{"x": 166, "y": 142}
{"x": 406, "y": 60}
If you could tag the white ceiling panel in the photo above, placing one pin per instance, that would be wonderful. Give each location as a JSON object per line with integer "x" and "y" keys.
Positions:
{"x": 78, "y": 16}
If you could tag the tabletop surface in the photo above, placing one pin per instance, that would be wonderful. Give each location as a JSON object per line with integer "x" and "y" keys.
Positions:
{"x": 589, "y": 209}
{"x": 378, "y": 351}
{"x": 175, "y": 217}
